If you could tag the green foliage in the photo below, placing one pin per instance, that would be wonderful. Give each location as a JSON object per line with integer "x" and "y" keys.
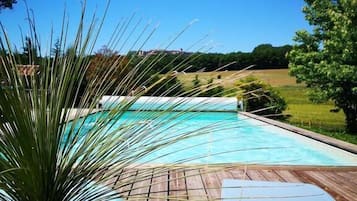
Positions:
{"x": 56, "y": 50}
{"x": 29, "y": 55}
{"x": 326, "y": 59}
{"x": 47, "y": 157}
{"x": 305, "y": 112}
{"x": 267, "y": 55}
{"x": 264, "y": 56}
{"x": 260, "y": 98}
{"x": 211, "y": 89}
{"x": 164, "y": 62}
{"x": 196, "y": 82}
{"x": 7, "y": 4}
{"x": 107, "y": 61}
{"x": 169, "y": 86}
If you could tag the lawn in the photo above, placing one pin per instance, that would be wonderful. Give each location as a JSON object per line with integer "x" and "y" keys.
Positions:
{"x": 315, "y": 117}
{"x": 304, "y": 113}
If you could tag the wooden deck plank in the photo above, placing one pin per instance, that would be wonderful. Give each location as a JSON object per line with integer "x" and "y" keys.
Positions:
{"x": 223, "y": 174}
{"x": 255, "y": 175}
{"x": 239, "y": 174}
{"x": 288, "y": 176}
{"x": 195, "y": 188}
{"x": 305, "y": 178}
{"x": 349, "y": 176}
{"x": 125, "y": 182}
{"x": 343, "y": 183}
{"x": 205, "y": 183}
{"x": 159, "y": 185}
{"x": 177, "y": 185}
{"x": 328, "y": 185}
{"x": 211, "y": 183}
{"x": 141, "y": 187}
{"x": 270, "y": 175}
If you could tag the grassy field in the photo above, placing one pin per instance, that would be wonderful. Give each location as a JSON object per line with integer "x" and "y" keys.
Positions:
{"x": 276, "y": 77}
{"x": 315, "y": 117}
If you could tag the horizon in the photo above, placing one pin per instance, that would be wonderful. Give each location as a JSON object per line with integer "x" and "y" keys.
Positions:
{"x": 235, "y": 26}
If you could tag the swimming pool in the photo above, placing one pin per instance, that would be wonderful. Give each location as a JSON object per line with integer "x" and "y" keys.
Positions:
{"x": 232, "y": 139}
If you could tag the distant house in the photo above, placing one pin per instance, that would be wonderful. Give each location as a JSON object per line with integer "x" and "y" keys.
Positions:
{"x": 27, "y": 70}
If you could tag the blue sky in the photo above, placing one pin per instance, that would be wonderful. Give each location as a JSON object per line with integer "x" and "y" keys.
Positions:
{"x": 231, "y": 25}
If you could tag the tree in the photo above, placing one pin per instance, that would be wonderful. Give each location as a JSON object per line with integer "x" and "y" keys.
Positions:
{"x": 260, "y": 97}
{"x": 56, "y": 51}
{"x": 106, "y": 60}
{"x": 263, "y": 54}
{"x": 7, "y": 4}
{"x": 326, "y": 59}
{"x": 267, "y": 56}
{"x": 29, "y": 55}
{"x": 169, "y": 86}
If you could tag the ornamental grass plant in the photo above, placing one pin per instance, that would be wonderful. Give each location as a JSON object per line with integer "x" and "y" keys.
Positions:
{"x": 48, "y": 152}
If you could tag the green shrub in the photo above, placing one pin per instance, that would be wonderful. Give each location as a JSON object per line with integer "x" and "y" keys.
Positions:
{"x": 210, "y": 89}
{"x": 260, "y": 98}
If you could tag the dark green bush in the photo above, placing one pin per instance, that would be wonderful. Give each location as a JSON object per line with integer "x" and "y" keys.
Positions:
{"x": 260, "y": 98}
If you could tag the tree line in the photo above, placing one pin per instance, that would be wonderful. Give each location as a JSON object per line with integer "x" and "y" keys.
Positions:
{"x": 264, "y": 56}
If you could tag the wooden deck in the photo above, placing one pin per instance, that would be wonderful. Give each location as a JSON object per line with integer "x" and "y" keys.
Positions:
{"x": 204, "y": 183}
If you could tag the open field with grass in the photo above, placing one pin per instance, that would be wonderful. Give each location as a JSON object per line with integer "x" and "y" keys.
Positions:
{"x": 304, "y": 113}
{"x": 276, "y": 77}
{"x": 315, "y": 117}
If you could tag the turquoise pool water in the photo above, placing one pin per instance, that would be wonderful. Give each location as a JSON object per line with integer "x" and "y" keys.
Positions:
{"x": 230, "y": 138}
